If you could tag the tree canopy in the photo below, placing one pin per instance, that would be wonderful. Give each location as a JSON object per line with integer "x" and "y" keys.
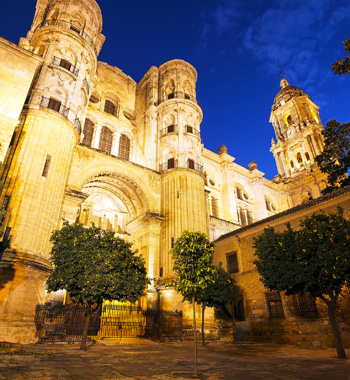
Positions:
{"x": 192, "y": 255}
{"x": 314, "y": 260}
{"x": 342, "y": 66}
{"x": 94, "y": 265}
{"x": 335, "y": 158}
{"x": 221, "y": 290}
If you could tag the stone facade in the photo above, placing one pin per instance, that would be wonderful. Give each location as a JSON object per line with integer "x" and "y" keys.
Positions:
{"x": 82, "y": 141}
{"x": 301, "y": 320}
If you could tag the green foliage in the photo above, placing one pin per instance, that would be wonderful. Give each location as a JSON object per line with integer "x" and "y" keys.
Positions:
{"x": 315, "y": 259}
{"x": 335, "y": 159}
{"x": 93, "y": 265}
{"x": 192, "y": 255}
{"x": 342, "y": 67}
{"x": 221, "y": 290}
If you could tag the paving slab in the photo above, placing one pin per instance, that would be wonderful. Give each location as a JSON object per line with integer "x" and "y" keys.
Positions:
{"x": 142, "y": 359}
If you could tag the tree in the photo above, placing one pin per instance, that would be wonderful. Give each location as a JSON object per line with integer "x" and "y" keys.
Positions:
{"x": 94, "y": 265}
{"x": 314, "y": 260}
{"x": 342, "y": 67}
{"x": 219, "y": 292}
{"x": 335, "y": 158}
{"x": 192, "y": 255}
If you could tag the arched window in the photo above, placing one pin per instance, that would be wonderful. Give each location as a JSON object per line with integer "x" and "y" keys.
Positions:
{"x": 299, "y": 158}
{"x": 88, "y": 132}
{"x": 307, "y": 156}
{"x": 124, "y": 147}
{"x": 241, "y": 194}
{"x": 289, "y": 120}
{"x": 190, "y": 164}
{"x": 106, "y": 139}
{"x": 111, "y": 108}
{"x": 292, "y": 164}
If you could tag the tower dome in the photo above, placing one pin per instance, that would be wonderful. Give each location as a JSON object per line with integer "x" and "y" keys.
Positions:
{"x": 297, "y": 125}
{"x": 286, "y": 93}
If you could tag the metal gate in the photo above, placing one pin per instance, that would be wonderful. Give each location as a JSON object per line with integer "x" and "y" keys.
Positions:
{"x": 65, "y": 323}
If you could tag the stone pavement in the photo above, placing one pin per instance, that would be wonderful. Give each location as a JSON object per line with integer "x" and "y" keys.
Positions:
{"x": 145, "y": 360}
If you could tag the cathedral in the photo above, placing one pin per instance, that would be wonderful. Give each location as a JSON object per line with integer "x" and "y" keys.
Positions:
{"x": 82, "y": 141}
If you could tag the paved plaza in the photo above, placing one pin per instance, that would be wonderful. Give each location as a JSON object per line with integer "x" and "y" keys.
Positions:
{"x": 145, "y": 360}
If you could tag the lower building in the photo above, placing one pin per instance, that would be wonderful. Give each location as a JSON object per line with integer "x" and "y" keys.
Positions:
{"x": 265, "y": 316}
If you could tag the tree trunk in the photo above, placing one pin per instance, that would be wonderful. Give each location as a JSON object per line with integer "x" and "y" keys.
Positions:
{"x": 335, "y": 330}
{"x": 195, "y": 338}
{"x": 233, "y": 322}
{"x": 87, "y": 317}
{"x": 203, "y": 337}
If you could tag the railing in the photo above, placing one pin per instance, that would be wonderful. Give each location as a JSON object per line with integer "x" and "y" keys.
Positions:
{"x": 168, "y": 165}
{"x": 68, "y": 26}
{"x": 192, "y": 131}
{"x": 168, "y": 129}
{"x": 58, "y": 323}
{"x": 196, "y": 167}
{"x": 174, "y": 164}
{"x": 178, "y": 95}
{"x": 55, "y": 106}
{"x": 65, "y": 65}
{"x": 78, "y": 125}
{"x": 86, "y": 86}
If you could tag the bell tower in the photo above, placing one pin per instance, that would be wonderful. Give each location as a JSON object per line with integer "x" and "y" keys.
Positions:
{"x": 298, "y": 128}
{"x": 66, "y": 34}
{"x": 180, "y": 156}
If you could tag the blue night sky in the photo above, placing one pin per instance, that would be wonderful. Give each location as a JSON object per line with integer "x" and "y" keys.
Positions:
{"x": 238, "y": 48}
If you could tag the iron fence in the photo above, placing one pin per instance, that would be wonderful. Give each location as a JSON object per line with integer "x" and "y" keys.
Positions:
{"x": 58, "y": 323}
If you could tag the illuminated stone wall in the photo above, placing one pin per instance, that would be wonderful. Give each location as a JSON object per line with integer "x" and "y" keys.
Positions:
{"x": 257, "y": 324}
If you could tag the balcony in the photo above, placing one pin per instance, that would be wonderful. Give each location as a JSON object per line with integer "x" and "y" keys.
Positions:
{"x": 54, "y": 105}
{"x": 168, "y": 129}
{"x": 173, "y": 164}
{"x": 67, "y": 25}
{"x": 178, "y": 95}
{"x": 66, "y": 65}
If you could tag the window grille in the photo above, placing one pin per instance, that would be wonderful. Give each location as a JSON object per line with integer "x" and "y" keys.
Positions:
{"x": 124, "y": 147}
{"x": 106, "y": 139}
{"x": 232, "y": 262}
{"x": 110, "y": 108}
{"x": 305, "y": 305}
{"x": 274, "y": 305}
{"x": 88, "y": 132}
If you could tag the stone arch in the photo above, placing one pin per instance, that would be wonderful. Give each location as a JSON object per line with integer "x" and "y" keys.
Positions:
{"x": 114, "y": 200}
